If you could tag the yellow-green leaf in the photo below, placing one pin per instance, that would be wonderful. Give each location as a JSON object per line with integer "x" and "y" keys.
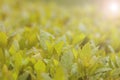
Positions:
{"x": 3, "y": 39}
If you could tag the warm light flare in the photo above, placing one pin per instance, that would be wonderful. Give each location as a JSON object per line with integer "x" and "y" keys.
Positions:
{"x": 111, "y": 8}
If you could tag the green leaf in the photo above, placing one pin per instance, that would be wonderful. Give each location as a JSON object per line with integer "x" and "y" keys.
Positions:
{"x": 44, "y": 38}
{"x": 86, "y": 49}
{"x": 14, "y": 47}
{"x": 78, "y": 38}
{"x": 67, "y": 60}
{"x": 3, "y": 39}
{"x": 59, "y": 74}
{"x": 58, "y": 47}
{"x": 24, "y": 76}
{"x": 18, "y": 58}
{"x": 6, "y": 74}
{"x": 75, "y": 53}
{"x": 46, "y": 76}
{"x": 86, "y": 55}
{"x": 2, "y": 57}
{"x": 40, "y": 67}
{"x": 102, "y": 70}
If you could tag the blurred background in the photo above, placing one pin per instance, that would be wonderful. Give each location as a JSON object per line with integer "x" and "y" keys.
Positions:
{"x": 100, "y": 19}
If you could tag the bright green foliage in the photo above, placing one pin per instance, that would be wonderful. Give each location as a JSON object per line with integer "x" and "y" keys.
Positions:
{"x": 59, "y": 74}
{"x": 39, "y": 67}
{"x": 2, "y": 57}
{"x": 41, "y": 41}
{"x": 3, "y": 39}
{"x": 78, "y": 38}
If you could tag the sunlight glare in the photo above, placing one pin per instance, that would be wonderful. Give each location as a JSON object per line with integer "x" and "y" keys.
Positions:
{"x": 113, "y": 7}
